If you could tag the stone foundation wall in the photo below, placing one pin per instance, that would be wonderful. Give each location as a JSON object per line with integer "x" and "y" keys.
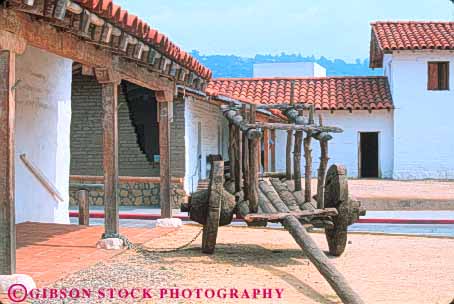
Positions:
{"x": 131, "y": 194}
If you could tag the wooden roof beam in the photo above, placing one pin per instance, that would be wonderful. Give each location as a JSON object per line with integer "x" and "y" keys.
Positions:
{"x": 153, "y": 56}
{"x": 127, "y": 40}
{"x": 74, "y": 8}
{"x": 85, "y": 22}
{"x": 140, "y": 49}
{"x": 181, "y": 75}
{"x": 106, "y": 34}
{"x": 60, "y": 9}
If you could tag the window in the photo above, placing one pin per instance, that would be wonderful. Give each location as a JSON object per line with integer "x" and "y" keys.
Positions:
{"x": 438, "y": 76}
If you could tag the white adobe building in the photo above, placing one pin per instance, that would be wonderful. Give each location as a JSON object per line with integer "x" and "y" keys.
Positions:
{"x": 417, "y": 58}
{"x": 288, "y": 69}
{"x": 361, "y": 106}
{"x": 396, "y": 126}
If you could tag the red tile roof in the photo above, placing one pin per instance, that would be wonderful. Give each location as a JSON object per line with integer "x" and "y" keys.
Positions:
{"x": 135, "y": 26}
{"x": 388, "y": 36}
{"x": 326, "y": 93}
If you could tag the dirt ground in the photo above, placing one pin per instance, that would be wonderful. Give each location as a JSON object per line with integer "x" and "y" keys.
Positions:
{"x": 382, "y": 269}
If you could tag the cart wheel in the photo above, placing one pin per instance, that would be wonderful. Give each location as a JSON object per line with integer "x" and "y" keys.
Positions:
{"x": 215, "y": 191}
{"x": 336, "y": 196}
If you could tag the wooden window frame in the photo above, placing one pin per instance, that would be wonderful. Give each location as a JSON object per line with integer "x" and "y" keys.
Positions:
{"x": 440, "y": 85}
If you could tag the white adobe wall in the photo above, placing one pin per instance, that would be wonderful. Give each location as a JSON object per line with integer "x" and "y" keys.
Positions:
{"x": 319, "y": 71}
{"x": 423, "y": 121}
{"x": 214, "y": 137}
{"x": 289, "y": 69}
{"x": 43, "y": 117}
{"x": 343, "y": 148}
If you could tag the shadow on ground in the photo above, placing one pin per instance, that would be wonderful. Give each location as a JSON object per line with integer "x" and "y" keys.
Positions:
{"x": 245, "y": 255}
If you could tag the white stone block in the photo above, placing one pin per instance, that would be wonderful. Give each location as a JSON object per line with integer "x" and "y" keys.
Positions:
{"x": 169, "y": 223}
{"x": 21, "y": 280}
{"x": 110, "y": 244}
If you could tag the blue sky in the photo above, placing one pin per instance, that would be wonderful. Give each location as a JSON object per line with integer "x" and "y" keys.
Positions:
{"x": 334, "y": 29}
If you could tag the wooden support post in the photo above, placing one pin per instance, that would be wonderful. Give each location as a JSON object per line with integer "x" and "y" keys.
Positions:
{"x": 232, "y": 150}
{"x": 297, "y": 154}
{"x": 259, "y": 155}
{"x": 288, "y": 151}
{"x": 308, "y": 168}
{"x": 253, "y": 167}
{"x": 288, "y": 155}
{"x": 245, "y": 158}
{"x": 164, "y": 153}
{"x": 273, "y": 151}
{"x": 322, "y": 170}
{"x": 7, "y": 117}
{"x": 84, "y": 207}
{"x": 322, "y": 174}
{"x": 297, "y": 159}
{"x": 110, "y": 156}
{"x": 266, "y": 150}
{"x": 238, "y": 159}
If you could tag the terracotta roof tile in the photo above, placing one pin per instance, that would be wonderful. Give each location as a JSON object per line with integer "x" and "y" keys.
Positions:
{"x": 414, "y": 35}
{"x": 326, "y": 93}
{"x": 139, "y": 28}
{"x": 388, "y": 36}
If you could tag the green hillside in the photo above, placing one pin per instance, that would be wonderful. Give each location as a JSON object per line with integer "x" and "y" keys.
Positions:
{"x": 235, "y": 66}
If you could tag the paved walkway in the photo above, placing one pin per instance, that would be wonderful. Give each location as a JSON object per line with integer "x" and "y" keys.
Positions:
{"x": 49, "y": 252}
{"x": 379, "y": 194}
{"x": 403, "y": 190}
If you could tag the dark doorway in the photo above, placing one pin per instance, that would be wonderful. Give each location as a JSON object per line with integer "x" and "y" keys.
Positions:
{"x": 143, "y": 112}
{"x": 369, "y": 154}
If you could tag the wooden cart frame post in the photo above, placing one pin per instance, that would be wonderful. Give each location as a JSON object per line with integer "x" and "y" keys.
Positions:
{"x": 253, "y": 166}
{"x": 245, "y": 146}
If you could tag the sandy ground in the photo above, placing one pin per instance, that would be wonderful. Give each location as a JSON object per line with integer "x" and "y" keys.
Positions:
{"x": 382, "y": 269}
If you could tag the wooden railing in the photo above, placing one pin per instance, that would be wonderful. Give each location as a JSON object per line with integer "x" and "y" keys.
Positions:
{"x": 42, "y": 179}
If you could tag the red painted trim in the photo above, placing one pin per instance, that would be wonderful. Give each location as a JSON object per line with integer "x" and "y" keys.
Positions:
{"x": 143, "y": 216}
{"x": 405, "y": 221}
{"x": 129, "y": 216}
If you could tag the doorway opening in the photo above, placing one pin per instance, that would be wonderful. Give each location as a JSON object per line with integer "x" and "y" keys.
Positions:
{"x": 369, "y": 162}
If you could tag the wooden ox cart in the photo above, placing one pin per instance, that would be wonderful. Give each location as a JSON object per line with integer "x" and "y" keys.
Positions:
{"x": 261, "y": 198}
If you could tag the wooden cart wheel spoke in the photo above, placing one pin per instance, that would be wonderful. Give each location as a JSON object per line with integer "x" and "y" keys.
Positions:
{"x": 215, "y": 197}
{"x": 336, "y": 196}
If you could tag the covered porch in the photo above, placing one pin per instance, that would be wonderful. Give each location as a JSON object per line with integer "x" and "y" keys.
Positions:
{"x": 50, "y": 252}
{"x": 115, "y": 50}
